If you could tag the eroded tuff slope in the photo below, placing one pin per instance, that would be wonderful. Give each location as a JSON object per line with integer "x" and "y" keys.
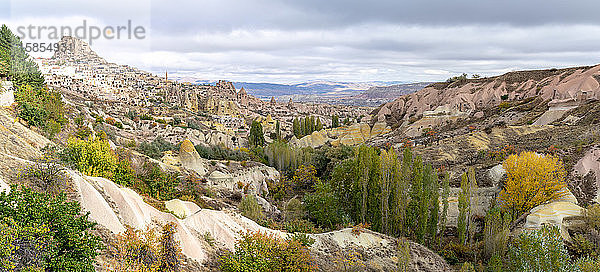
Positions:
{"x": 113, "y": 207}
{"x": 473, "y": 94}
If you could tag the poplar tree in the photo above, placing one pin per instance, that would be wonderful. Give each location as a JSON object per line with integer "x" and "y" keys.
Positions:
{"x": 445, "y": 195}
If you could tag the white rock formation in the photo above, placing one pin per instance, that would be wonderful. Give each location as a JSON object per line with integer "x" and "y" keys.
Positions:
{"x": 590, "y": 163}
{"x": 180, "y": 208}
{"x": 7, "y": 94}
{"x": 496, "y": 174}
{"x": 4, "y": 187}
{"x": 552, "y": 214}
{"x": 190, "y": 158}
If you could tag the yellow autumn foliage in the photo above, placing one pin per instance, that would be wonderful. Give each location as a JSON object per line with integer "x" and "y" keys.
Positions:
{"x": 532, "y": 179}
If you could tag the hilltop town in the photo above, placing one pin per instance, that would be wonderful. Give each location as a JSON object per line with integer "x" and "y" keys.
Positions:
{"x": 120, "y": 91}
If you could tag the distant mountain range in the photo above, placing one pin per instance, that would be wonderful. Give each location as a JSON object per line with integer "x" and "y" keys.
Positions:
{"x": 372, "y": 93}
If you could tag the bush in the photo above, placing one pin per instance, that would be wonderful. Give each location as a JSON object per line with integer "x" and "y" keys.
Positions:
{"x": 264, "y": 252}
{"x": 592, "y": 217}
{"x": 158, "y": 184}
{"x": 156, "y": 148}
{"x": 217, "y": 152}
{"x": 303, "y": 239}
{"x": 250, "y": 208}
{"x": 299, "y": 225}
{"x": 294, "y": 210}
{"x": 71, "y": 248}
{"x": 531, "y": 180}
{"x": 24, "y": 248}
{"x": 539, "y": 250}
{"x": 305, "y": 177}
{"x": 46, "y": 175}
{"x": 93, "y": 157}
{"x": 136, "y": 250}
{"x": 587, "y": 264}
{"x": 40, "y": 107}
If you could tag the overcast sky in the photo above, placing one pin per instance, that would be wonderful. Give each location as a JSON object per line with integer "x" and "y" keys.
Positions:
{"x": 294, "y": 41}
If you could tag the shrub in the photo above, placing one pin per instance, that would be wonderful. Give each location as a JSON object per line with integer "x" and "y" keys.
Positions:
{"x": 305, "y": 177}
{"x": 156, "y": 148}
{"x": 539, "y": 250}
{"x": 592, "y": 217}
{"x": 218, "y": 152}
{"x": 46, "y": 175}
{"x": 250, "y": 208}
{"x": 94, "y": 157}
{"x": 43, "y": 216}
{"x": 581, "y": 246}
{"x": 40, "y": 107}
{"x": 280, "y": 189}
{"x": 294, "y": 210}
{"x": 299, "y": 225}
{"x": 303, "y": 239}
{"x": 467, "y": 267}
{"x": 495, "y": 264}
{"x": 136, "y": 250}
{"x": 587, "y": 264}
{"x": 24, "y": 248}
{"x": 264, "y": 252}
{"x": 531, "y": 180}
{"x": 158, "y": 184}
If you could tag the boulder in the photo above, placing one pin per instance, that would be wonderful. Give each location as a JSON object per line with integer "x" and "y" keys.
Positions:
{"x": 552, "y": 214}
{"x": 218, "y": 178}
{"x": 7, "y": 94}
{"x": 4, "y": 187}
{"x": 590, "y": 163}
{"x": 268, "y": 207}
{"x": 256, "y": 177}
{"x": 190, "y": 159}
{"x": 180, "y": 208}
{"x": 496, "y": 174}
{"x": 376, "y": 251}
{"x": 551, "y": 115}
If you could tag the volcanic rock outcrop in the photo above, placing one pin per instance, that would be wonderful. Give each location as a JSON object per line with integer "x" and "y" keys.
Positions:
{"x": 562, "y": 87}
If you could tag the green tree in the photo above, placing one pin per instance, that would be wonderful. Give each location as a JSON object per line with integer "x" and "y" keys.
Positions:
{"x": 256, "y": 136}
{"x": 539, "y": 250}
{"x": 323, "y": 207}
{"x": 296, "y": 128}
{"x": 335, "y": 121}
{"x": 277, "y": 131}
{"x": 319, "y": 125}
{"x": 445, "y": 195}
{"x": 463, "y": 209}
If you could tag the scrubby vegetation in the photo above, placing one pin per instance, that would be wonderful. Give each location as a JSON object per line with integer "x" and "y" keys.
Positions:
{"x": 136, "y": 250}
{"x": 94, "y": 157}
{"x": 263, "y": 252}
{"x": 34, "y": 237}
{"x": 38, "y": 105}
{"x": 219, "y": 152}
{"x": 156, "y": 148}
